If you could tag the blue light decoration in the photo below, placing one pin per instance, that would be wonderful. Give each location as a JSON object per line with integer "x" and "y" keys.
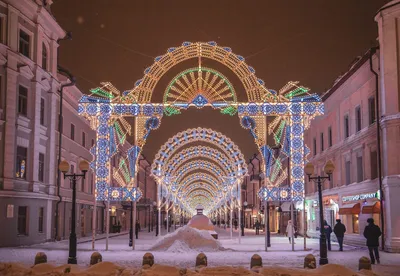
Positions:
{"x": 133, "y": 154}
{"x": 292, "y": 106}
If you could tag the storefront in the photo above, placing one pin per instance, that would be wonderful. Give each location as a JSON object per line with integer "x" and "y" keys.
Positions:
{"x": 331, "y": 213}
{"x": 355, "y": 209}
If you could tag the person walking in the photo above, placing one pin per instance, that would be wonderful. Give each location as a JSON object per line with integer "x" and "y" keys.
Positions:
{"x": 328, "y": 231}
{"x": 372, "y": 232}
{"x": 339, "y": 231}
{"x": 290, "y": 231}
{"x": 137, "y": 229}
{"x": 257, "y": 224}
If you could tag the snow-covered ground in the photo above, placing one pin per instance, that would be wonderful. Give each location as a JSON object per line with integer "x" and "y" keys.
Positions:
{"x": 236, "y": 254}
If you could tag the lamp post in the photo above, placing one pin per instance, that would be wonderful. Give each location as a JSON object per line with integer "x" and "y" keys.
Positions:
{"x": 243, "y": 219}
{"x": 64, "y": 168}
{"x": 328, "y": 169}
{"x": 131, "y": 226}
{"x": 155, "y": 205}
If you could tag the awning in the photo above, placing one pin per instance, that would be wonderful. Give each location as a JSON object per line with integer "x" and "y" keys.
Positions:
{"x": 350, "y": 209}
{"x": 371, "y": 208}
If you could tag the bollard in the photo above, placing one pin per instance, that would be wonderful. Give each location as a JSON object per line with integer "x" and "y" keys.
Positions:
{"x": 364, "y": 263}
{"x": 310, "y": 262}
{"x": 201, "y": 261}
{"x": 256, "y": 261}
{"x": 40, "y": 258}
{"x": 95, "y": 258}
{"x": 148, "y": 260}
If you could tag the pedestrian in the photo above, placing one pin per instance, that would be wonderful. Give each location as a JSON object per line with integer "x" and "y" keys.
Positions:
{"x": 236, "y": 224}
{"x": 258, "y": 225}
{"x": 290, "y": 231}
{"x": 339, "y": 231}
{"x": 137, "y": 229}
{"x": 328, "y": 231}
{"x": 372, "y": 232}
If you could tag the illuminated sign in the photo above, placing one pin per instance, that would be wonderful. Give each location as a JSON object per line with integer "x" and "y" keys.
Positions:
{"x": 361, "y": 197}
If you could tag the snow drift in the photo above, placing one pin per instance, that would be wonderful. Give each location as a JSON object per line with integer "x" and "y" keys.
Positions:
{"x": 188, "y": 239}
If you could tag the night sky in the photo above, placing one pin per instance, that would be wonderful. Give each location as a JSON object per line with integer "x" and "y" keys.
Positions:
{"x": 312, "y": 41}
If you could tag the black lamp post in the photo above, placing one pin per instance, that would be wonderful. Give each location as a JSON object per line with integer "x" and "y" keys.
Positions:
{"x": 328, "y": 169}
{"x": 243, "y": 218}
{"x": 64, "y": 168}
{"x": 131, "y": 226}
{"x": 155, "y": 204}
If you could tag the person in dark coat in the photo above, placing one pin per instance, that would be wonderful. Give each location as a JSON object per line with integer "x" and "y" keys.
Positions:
{"x": 339, "y": 231}
{"x": 372, "y": 232}
{"x": 328, "y": 231}
{"x": 137, "y": 229}
{"x": 258, "y": 225}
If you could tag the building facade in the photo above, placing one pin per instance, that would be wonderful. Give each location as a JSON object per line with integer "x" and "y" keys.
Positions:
{"x": 29, "y": 115}
{"x": 347, "y": 134}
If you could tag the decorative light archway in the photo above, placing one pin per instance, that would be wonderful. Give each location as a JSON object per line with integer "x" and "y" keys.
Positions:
{"x": 107, "y": 108}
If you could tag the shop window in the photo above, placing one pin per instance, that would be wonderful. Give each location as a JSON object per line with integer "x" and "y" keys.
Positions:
{"x": 41, "y": 219}
{"x": 371, "y": 110}
{"x": 23, "y": 100}
{"x": 24, "y": 43}
{"x": 347, "y": 171}
{"x": 330, "y": 137}
{"x": 41, "y": 167}
{"x": 22, "y": 220}
{"x": 374, "y": 164}
{"x": 346, "y": 126}
{"x": 20, "y": 166}
{"x": 360, "y": 173}
{"x": 355, "y": 224}
{"x": 358, "y": 118}
{"x": 42, "y": 109}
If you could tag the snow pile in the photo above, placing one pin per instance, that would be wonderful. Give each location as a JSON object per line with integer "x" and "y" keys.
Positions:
{"x": 187, "y": 239}
{"x": 201, "y": 222}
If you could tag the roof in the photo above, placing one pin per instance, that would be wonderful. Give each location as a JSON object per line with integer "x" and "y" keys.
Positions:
{"x": 355, "y": 65}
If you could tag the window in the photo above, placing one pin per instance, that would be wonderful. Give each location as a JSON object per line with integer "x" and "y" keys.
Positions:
{"x": 92, "y": 142}
{"x": 2, "y": 29}
{"x": 24, "y": 41}
{"x": 322, "y": 142}
{"x": 23, "y": 100}
{"x": 360, "y": 175}
{"x": 72, "y": 132}
{"x": 21, "y": 162}
{"x": 44, "y": 57}
{"x": 41, "y": 167}
{"x": 83, "y": 139}
{"x": 42, "y": 111}
{"x": 22, "y": 219}
{"x": 371, "y": 110}
{"x": 41, "y": 216}
{"x": 330, "y": 137}
{"x": 358, "y": 118}
{"x": 347, "y": 169}
{"x": 374, "y": 164}
{"x": 315, "y": 146}
{"x": 346, "y": 126}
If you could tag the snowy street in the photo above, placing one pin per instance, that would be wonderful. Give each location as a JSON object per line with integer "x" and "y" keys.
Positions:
{"x": 236, "y": 254}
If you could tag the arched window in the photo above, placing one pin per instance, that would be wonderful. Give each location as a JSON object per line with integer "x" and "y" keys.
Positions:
{"x": 44, "y": 57}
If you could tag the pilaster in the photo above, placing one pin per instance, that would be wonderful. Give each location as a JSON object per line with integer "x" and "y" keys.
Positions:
{"x": 9, "y": 129}
{"x": 391, "y": 187}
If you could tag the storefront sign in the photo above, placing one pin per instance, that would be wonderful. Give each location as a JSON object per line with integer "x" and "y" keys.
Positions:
{"x": 360, "y": 197}
{"x": 329, "y": 200}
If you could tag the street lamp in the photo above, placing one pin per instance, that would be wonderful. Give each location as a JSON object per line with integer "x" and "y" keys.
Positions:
{"x": 131, "y": 226}
{"x": 64, "y": 168}
{"x": 243, "y": 219}
{"x": 328, "y": 169}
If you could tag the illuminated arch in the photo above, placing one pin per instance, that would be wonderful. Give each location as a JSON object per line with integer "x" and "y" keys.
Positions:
{"x": 200, "y": 177}
{"x": 198, "y": 135}
{"x": 254, "y": 87}
{"x": 199, "y": 152}
{"x": 188, "y": 167}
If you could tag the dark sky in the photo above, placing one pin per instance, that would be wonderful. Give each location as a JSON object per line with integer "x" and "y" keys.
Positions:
{"x": 312, "y": 41}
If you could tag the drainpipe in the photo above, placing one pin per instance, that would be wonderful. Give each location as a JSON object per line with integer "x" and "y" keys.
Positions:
{"x": 378, "y": 140}
{"x": 60, "y": 123}
{"x": 68, "y": 36}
